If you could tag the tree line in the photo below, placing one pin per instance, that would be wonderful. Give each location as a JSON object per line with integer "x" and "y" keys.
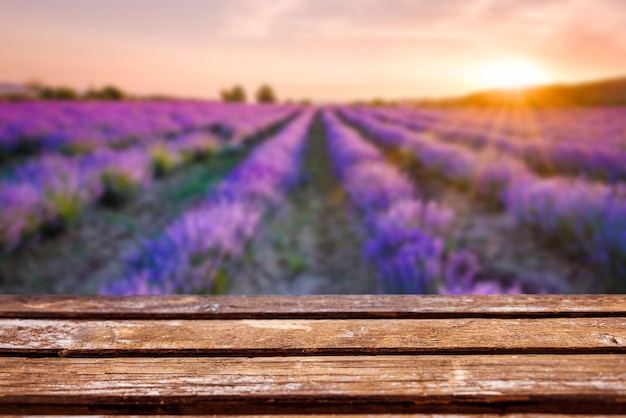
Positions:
{"x": 35, "y": 89}
{"x": 46, "y": 92}
{"x": 237, "y": 94}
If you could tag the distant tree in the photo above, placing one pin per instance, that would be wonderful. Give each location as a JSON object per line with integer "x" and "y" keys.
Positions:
{"x": 266, "y": 94}
{"x": 58, "y": 93}
{"x": 111, "y": 93}
{"x": 239, "y": 94}
{"x": 106, "y": 93}
{"x": 235, "y": 95}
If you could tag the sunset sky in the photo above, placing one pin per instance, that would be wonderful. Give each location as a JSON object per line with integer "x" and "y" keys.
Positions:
{"x": 317, "y": 49}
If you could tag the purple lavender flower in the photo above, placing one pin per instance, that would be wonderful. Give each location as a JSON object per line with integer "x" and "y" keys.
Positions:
{"x": 578, "y": 213}
{"x": 402, "y": 229}
{"x": 188, "y": 255}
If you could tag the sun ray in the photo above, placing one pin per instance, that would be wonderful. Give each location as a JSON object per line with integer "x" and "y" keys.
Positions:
{"x": 513, "y": 74}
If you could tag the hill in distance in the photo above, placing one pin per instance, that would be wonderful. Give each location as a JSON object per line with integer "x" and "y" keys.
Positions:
{"x": 14, "y": 89}
{"x": 610, "y": 92}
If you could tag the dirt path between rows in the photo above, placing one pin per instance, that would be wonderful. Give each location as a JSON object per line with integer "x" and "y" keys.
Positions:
{"x": 90, "y": 252}
{"x": 313, "y": 244}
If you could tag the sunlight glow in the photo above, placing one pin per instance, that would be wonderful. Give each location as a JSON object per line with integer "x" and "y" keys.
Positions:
{"x": 513, "y": 74}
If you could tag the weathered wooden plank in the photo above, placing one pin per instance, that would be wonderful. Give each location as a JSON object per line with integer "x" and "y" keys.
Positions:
{"x": 364, "y": 384}
{"x": 303, "y": 336}
{"x": 266, "y": 307}
{"x": 402, "y": 415}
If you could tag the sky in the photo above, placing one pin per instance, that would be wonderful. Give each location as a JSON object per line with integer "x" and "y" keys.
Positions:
{"x": 324, "y": 50}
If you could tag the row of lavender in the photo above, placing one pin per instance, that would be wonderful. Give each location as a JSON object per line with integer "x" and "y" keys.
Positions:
{"x": 47, "y": 194}
{"x": 571, "y": 125}
{"x": 187, "y": 256}
{"x": 406, "y": 234}
{"x": 587, "y": 218}
{"x": 599, "y": 157}
{"x": 84, "y": 127}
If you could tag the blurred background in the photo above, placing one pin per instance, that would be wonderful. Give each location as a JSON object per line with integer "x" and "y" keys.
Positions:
{"x": 320, "y": 50}
{"x": 312, "y": 146}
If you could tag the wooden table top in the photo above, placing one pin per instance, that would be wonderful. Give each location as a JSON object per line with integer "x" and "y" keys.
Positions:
{"x": 393, "y": 355}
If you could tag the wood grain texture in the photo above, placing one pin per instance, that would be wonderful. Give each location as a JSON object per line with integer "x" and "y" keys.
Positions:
{"x": 270, "y": 355}
{"x": 275, "y": 307}
{"x": 294, "y": 412}
{"x": 363, "y": 384}
{"x": 302, "y": 336}
{"x": 401, "y": 415}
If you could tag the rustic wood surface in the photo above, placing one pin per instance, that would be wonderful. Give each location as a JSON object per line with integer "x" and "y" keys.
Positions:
{"x": 314, "y": 355}
{"x": 364, "y": 415}
{"x": 541, "y": 383}
{"x": 313, "y": 307}
{"x": 300, "y": 336}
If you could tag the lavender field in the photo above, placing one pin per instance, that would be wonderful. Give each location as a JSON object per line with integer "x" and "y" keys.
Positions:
{"x": 194, "y": 197}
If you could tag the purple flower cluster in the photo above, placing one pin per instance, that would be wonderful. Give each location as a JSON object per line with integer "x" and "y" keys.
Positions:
{"x": 567, "y": 145}
{"x": 490, "y": 173}
{"x": 247, "y": 120}
{"x": 187, "y": 256}
{"x": 22, "y": 210}
{"x": 86, "y": 127}
{"x": 582, "y": 215}
{"x": 52, "y": 190}
{"x": 405, "y": 233}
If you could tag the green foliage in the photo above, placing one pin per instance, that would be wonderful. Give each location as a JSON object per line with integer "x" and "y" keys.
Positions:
{"x": 78, "y": 148}
{"x": 118, "y": 188}
{"x": 200, "y": 178}
{"x": 68, "y": 207}
{"x": 296, "y": 263}
{"x": 292, "y": 259}
{"x": 221, "y": 283}
{"x": 235, "y": 95}
{"x": 230, "y": 150}
{"x": 266, "y": 94}
{"x": 120, "y": 219}
{"x": 200, "y": 154}
{"x": 162, "y": 162}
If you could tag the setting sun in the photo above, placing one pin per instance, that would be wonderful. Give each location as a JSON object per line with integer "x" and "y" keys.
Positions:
{"x": 513, "y": 74}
